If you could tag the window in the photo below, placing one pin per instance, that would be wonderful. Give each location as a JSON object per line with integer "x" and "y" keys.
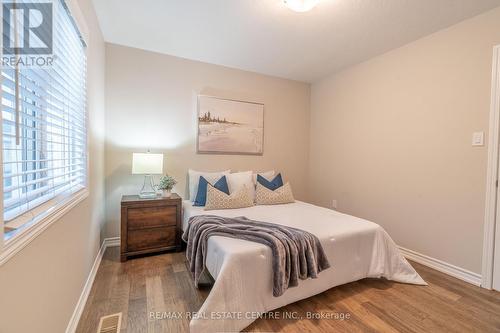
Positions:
{"x": 44, "y": 133}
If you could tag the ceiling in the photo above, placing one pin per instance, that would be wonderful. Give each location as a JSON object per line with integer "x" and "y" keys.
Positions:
{"x": 266, "y": 37}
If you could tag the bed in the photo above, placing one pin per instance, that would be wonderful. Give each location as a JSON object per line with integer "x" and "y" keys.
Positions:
{"x": 355, "y": 248}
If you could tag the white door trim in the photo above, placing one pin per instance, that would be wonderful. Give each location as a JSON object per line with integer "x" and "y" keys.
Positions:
{"x": 490, "y": 215}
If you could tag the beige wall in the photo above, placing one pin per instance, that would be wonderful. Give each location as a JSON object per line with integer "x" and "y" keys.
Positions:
{"x": 151, "y": 103}
{"x": 40, "y": 286}
{"x": 391, "y": 140}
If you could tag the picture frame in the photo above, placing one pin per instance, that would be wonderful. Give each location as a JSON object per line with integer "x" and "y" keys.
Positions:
{"x": 229, "y": 126}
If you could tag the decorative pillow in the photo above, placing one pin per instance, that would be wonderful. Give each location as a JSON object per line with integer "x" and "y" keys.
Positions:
{"x": 266, "y": 175}
{"x": 194, "y": 179}
{"x": 201, "y": 197}
{"x": 282, "y": 195}
{"x": 219, "y": 200}
{"x": 272, "y": 185}
{"x": 239, "y": 179}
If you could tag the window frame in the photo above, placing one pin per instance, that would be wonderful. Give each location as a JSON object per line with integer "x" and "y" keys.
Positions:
{"x": 52, "y": 210}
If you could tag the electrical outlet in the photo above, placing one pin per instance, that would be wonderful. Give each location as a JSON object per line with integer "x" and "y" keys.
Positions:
{"x": 334, "y": 204}
{"x": 478, "y": 139}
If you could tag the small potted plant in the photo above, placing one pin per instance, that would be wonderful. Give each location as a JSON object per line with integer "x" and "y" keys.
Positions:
{"x": 166, "y": 185}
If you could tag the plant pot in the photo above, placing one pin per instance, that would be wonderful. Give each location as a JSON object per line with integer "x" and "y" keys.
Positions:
{"x": 167, "y": 193}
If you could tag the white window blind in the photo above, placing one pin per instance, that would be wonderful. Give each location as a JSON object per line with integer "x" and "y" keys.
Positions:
{"x": 44, "y": 127}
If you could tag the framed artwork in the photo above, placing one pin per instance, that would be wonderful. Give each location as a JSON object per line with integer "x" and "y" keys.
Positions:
{"x": 228, "y": 126}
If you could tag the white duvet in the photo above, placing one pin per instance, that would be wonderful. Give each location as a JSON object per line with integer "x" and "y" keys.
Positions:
{"x": 355, "y": 248}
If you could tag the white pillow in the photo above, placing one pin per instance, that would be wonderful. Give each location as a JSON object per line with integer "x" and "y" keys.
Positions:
{"x": 237, "y": 180}
{"x": 269, "y": 175}
{"x": 194, "y": 179}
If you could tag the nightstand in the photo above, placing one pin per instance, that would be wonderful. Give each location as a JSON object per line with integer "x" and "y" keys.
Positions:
{"x": 150, "y": 225}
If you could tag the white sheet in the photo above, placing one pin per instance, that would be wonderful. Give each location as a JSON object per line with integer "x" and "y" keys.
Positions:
{"x": 356, "y": 249}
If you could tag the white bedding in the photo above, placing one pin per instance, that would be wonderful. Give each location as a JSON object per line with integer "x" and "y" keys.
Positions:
{"x": 355, "y": 248}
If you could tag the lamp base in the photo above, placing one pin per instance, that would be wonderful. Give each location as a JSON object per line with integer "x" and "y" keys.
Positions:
{"x": 148, "y": 190}
{"x": 147, "y": 195}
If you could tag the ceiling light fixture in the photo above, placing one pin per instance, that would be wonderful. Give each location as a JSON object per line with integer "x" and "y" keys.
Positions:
{"x": 301, "y": 5}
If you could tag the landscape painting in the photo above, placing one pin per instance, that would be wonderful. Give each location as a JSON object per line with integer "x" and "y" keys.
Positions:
{"x": 230, "y": 127}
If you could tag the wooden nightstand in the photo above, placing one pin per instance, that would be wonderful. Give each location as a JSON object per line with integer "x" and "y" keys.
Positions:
{"x": 150, "y": 225}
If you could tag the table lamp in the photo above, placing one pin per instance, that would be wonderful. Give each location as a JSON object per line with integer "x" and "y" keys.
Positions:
{"x": 147, "y": 164}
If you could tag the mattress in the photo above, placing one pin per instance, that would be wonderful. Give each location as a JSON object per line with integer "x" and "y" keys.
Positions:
{"x": 242, "y": 270}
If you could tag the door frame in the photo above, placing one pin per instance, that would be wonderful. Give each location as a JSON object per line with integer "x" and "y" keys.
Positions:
{"x": 491, "y": 216}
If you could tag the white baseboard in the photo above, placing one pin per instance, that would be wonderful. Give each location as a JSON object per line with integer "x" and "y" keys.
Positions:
{"x": 80, "y": 305}
{"x": 112, "y": 241}
{"x": 444, "y": 267}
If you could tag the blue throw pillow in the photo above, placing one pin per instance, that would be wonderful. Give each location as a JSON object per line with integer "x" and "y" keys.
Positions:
{"x": 201, "y": 196}
{"x": 274, "y": 184}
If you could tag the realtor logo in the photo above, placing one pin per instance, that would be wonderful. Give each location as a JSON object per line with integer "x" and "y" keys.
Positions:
{"x": 27, "y": 28}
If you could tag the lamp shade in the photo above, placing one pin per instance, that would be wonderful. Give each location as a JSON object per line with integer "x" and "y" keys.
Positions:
{"x": 147, "y": 164}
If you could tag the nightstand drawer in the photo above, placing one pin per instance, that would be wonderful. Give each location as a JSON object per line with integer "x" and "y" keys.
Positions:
{"x": 151, "y": 238}
{"x": 140, "y": 217}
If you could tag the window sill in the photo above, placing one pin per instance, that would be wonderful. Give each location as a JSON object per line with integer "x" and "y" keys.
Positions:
{"x": 17, "y": 243}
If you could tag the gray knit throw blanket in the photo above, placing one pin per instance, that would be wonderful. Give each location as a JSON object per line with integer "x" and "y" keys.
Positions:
{"x": 297, "y": 254}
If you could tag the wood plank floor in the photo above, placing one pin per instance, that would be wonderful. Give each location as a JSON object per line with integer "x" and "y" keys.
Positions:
{"x": 162, "y": 283}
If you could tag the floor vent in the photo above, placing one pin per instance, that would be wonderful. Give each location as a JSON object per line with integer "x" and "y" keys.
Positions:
{"x": 110, "y": 324}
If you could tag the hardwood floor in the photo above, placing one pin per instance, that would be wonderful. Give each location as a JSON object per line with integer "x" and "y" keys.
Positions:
{"x": 162, "y": 283}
